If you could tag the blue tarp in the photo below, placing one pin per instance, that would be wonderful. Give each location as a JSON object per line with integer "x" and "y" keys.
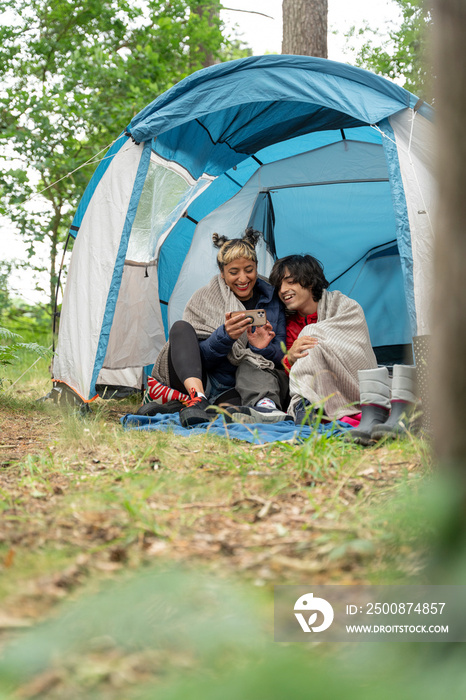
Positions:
{"x": 257, "y": 433}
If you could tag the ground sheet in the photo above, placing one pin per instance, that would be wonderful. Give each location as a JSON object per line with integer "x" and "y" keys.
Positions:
{"x": 256, "y": 433}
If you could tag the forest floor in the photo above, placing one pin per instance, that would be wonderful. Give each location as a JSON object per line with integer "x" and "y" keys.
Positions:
{"x": 86, "y": 504}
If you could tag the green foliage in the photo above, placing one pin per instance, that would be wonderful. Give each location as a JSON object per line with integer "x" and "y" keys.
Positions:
{"x": 12, "y": 343}
{"x": 402, "y": 57}
{"x": 33, "y": 323}
{"x": 74, "y": 73}
{"x": 24, "y": 329}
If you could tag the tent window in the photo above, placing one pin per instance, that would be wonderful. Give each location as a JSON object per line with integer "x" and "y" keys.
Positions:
{"x": 337, "y": 223}
{"x": 163, "y": 198}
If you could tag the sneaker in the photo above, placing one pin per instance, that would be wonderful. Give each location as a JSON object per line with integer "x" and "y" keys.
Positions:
{"x": 195, "y": 411}
{"x": 304, "y": 414}
{"x": 150, "y": 409}
{"x": 255, "y": 414}
{"x": 310, "y": 416}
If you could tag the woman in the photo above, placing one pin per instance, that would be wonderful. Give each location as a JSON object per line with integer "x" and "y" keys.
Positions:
{"x": 212, "y": 350}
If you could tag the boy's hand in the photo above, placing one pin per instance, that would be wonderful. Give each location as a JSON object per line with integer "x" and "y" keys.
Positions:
{"x": 301, "y": 347}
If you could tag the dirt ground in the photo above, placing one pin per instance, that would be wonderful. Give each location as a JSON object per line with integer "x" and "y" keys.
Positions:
{"x": 19, "y": 438}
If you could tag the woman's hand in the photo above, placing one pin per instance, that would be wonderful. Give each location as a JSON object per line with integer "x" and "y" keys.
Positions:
{"x": 261, "y": 337}
{"x": 236, "y": 325}
{"x": 300, "y": 348}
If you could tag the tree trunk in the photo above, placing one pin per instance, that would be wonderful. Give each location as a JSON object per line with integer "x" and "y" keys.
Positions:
{"x": 305, "y": 27}
{"x": 211, "y": 8}
{"x": 449, "y": 369}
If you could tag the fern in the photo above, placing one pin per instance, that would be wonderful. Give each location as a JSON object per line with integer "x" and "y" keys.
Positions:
{"x": 12, "y": 344}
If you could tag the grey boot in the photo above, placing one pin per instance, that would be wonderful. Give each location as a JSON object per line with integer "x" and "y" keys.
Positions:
{"x": 374, "y": 388}
{"x": 404, "y": 404}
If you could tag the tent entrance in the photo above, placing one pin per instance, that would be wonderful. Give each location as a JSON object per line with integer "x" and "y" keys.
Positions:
{"x": 350, "y": 227}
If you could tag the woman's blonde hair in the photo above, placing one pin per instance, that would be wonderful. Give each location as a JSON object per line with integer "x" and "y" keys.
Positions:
{"x": 232, "y": 249}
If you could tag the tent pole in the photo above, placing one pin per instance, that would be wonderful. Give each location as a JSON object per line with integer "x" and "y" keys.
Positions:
{"x": 55, "y": 305}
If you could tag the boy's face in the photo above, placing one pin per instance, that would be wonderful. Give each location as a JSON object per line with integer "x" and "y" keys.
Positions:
{"x": 295, "y": 297}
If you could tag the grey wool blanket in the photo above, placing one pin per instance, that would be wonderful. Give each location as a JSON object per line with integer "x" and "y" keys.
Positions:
{"x": 328, "y": 375}
{"x": 205, "y": 311}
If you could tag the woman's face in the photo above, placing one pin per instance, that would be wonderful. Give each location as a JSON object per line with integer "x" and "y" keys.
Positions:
{"x": 241, "y": 275}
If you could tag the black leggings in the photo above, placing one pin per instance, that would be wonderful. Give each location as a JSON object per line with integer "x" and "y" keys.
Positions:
{"x": 184, "y": 356}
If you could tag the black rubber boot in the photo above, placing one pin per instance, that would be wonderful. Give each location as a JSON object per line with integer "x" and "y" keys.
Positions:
{"x": 371, "y": 417}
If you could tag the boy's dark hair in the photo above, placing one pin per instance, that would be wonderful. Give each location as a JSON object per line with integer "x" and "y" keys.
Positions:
{"x": 303, "y": 269}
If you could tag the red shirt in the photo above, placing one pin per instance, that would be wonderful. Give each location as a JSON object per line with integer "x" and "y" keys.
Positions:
{"x": 294, "y": 326}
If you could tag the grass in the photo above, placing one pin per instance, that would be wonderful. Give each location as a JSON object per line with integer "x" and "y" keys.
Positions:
{"x": 85, "y": 504}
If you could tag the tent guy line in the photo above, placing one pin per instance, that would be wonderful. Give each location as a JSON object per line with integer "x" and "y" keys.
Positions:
{"x": 92, "y": 161}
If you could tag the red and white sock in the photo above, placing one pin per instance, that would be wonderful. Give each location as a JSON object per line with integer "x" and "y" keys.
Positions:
{"x": 160, "y": 393}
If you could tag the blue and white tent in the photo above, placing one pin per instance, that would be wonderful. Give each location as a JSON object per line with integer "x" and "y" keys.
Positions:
{"x": 322, "y": 157}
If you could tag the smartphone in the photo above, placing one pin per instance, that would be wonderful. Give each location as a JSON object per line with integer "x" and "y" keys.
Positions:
{"x": 258, "y": 316}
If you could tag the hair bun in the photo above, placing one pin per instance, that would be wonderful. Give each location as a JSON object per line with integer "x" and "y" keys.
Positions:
{"x": 251, "y": 236}
{"x": 218, "y": 240}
